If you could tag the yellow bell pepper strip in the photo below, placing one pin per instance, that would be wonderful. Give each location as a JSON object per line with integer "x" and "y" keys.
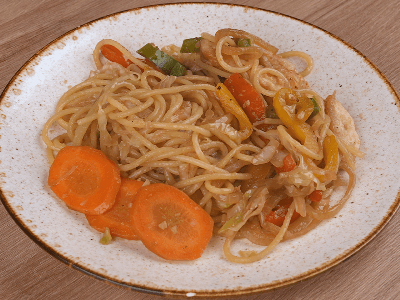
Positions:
{"x": 248, "y": 98}
{"x": 331, "y": 153}
{"x": 304, "y": 105}
{"x": 331, "y": 158}
{"x": 293, "y": 109}
{"x": 162, "y": 60}
{"x": 230, "y": 104}
{"x": 191, "y": 45}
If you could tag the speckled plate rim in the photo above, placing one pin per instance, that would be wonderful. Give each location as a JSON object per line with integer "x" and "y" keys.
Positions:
{"x": 225, "y": 293}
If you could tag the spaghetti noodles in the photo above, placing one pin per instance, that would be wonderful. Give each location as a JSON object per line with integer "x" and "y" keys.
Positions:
{"x": 177, "y": 130}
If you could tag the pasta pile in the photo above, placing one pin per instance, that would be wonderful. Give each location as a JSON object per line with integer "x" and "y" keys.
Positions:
{"x": 175, "y": 130}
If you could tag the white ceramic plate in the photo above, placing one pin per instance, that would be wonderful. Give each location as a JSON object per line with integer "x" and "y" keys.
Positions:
{"x": 32, "y": 94}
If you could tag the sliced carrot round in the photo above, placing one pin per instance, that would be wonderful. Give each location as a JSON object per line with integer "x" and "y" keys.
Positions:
{"x": 117, "y": 218}
{"x": 169, "y": 223}
{"x": 85, "y": 179}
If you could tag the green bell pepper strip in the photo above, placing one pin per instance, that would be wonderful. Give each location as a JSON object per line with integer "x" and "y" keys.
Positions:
{"x": 191, "y": 45}
{"x": 163, "y": 61}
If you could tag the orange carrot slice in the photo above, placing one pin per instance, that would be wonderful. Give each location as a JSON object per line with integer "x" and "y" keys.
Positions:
{"x": 113, "y": 54}
{"x": 278, "y": 213}
{"x": 248, "y": 98}
{"x": 85, "y": 179}
{"x": 316, "y": 196}
{"x": 169, "y": 223}
{"x": 288, "y": 164}
{"x": 117, "y": 218}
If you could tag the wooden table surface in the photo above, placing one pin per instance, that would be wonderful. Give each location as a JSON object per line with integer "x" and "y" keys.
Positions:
{"x": 371, "y": 26}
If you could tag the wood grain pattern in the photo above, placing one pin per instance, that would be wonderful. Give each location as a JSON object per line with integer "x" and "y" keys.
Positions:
{"x": 28, "y": 272}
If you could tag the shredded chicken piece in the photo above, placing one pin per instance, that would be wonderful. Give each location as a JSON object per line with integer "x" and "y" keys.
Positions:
{"x": 342, "y": 124}
{"x": 207, "y": 51}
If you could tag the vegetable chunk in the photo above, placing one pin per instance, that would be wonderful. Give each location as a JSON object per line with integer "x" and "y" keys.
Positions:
{"x": 169, "y": 223}
{"x": 117, "y": 218}
{"x": 248, "y": 98}
{"x": 85, "y": 179}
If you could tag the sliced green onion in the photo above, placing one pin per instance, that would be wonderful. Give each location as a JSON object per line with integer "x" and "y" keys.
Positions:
{"x": 316, "y": 108}
{"x": 162, "y": 60}
{"x": 271, "y": 113}
{"x": 236, "y": 219}
{"x": 106, "y": 238}
{"x": 191, "y": 45}
{"x": 243, "y": 42}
